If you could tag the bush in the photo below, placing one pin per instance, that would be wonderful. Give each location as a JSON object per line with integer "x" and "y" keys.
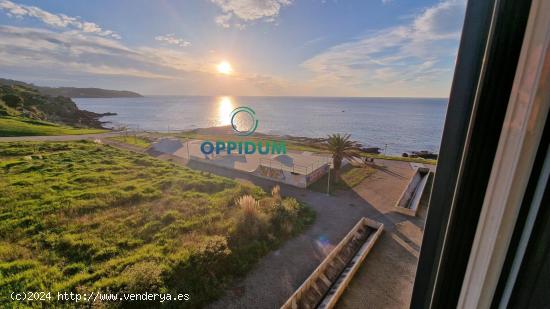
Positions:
{"x": 248, "y": 205}
{"x": 202, "y": 273}
{"x": 143, "y": 277}
{"x": 74, "y": 268}
{"x": 12, "y": 100}
{"x": 251, "y": 222}
{"x": 276, "y": 192}
{"x": 284, "y": 215}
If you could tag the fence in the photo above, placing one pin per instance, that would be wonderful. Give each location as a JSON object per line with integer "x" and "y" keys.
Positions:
{"x": 294, "y": 168}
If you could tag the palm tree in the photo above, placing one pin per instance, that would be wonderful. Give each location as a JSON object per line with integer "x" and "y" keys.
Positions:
{"x": 342, "y": 148}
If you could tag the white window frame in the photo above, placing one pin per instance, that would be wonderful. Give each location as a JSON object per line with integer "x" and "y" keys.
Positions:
{"x": 519, "y": 140}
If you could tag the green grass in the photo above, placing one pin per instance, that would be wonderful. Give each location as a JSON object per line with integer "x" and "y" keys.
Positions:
{"x": 298, "y": 146}
{"x": 291, "y": 145}
{"x": 17, "y": 126}
{"x": 138, "y": 141}
{"x": 80, "y": 216}
{"x": 350, "y": 176}
{"x": 404, "y": 159}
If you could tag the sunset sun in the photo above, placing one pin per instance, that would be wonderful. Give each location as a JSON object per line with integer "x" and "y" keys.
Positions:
{"x": 225, "y": 68}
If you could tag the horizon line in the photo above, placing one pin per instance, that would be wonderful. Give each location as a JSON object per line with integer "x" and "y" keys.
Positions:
{"x": 285, "y": 96}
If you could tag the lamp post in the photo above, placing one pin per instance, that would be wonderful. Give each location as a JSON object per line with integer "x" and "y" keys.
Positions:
{"x": 328, "y": 178}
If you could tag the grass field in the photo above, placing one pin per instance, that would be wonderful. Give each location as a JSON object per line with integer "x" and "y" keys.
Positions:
{"x": 139, "y": 141}
{"x": 17, "y": 126}
{"x": 350, "y": 176}
{"x": 404, "y": 159}
{"x": 292, "y": 145}
{"x": 80, "y": 216}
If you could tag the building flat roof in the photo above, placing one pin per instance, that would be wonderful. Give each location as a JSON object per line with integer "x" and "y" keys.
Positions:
{"x": 300, "y": 162}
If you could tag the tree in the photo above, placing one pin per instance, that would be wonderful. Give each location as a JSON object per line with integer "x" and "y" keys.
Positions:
{"x": 342, "y": 148}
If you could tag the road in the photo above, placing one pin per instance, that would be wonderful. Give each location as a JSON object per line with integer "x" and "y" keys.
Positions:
{"x": 385, "y": 279}
{"x": 59, "y": 138}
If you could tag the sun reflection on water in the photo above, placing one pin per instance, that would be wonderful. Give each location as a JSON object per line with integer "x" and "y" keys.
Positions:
{"x": 225, "y": 106}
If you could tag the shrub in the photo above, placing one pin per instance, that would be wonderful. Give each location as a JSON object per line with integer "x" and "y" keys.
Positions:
{"x": 143, "y": 277}
{"x": 170, "y": 216}
{"x": 202, "y": 273}
{"x": 251, "y": 222}
{"x": 10, "y": 252}
{"x": 74, "y": 268}
{"x": 248, "y": 205}
{"x": 285, "y": 213}
{"x": 76, "y": 246}
{"x": 291, "y": 206}
{"x": 276, "y": 192}
{"x": 12, "y": 100}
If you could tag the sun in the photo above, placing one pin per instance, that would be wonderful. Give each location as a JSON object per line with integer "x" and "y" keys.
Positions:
{"x": 224, "y": 68}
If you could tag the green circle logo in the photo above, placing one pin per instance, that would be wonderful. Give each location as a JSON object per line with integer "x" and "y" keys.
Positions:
{"x": 243, "y": 121}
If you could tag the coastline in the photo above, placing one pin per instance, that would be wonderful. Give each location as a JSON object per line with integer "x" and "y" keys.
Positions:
{"x": 404, "y": 124}
{"x": 299, "y": 143}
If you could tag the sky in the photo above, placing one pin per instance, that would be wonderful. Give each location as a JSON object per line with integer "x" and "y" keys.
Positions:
{"x": 373, "y": 48}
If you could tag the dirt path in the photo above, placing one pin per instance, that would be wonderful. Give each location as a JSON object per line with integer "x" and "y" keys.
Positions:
{"x": 59, "y": 138}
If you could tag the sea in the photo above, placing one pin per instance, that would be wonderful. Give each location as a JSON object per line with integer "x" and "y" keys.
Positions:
{"x": 396, "y": 125}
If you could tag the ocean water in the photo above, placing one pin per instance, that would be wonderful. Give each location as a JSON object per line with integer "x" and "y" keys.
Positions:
{"x": 399, "y": 124}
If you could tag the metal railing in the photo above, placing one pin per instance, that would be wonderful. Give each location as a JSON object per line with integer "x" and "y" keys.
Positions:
{"x": 294, "y": 168}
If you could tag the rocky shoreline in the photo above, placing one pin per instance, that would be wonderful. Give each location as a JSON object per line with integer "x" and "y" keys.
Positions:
{"x": 315, "y": 142}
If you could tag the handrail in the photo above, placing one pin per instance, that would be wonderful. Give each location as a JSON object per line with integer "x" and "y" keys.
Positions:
{"x": 296, "y": 168}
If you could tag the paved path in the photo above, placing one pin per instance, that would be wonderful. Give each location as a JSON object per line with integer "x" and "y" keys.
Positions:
{"x": 278, "y": 274}
{"x": 386, "y": 277}
{"x": 59, "y": 138}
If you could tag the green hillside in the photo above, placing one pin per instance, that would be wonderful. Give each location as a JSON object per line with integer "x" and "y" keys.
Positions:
{"x": 88, "y": 217}
{"x": 74, "y": 92}
{"x": 19, "y": 126}
{"x": 26, "y": 111}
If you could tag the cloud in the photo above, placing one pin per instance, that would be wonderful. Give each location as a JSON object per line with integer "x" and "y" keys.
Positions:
{"x": 443, "y": 20}
{"x": 54, "y": 20}
{"x": 240, "y": 12}
{"x": 173, "y": 40}
{"x": 33, "y": 54}
{"x": 224, "y": 20}
{"x": 411, "y": 57}
{"x": 77, "y": 52}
